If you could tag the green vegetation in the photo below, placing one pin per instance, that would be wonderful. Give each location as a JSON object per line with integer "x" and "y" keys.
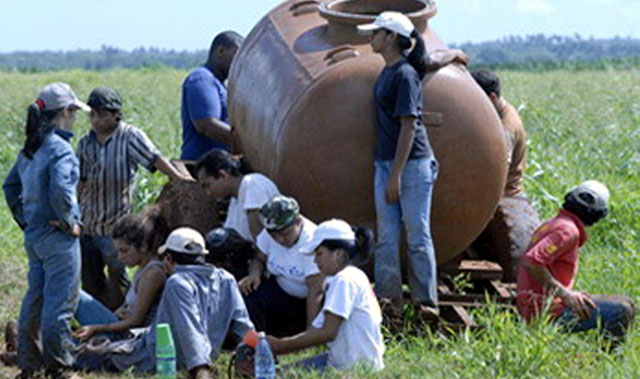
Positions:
{"x": 582, "y": 124}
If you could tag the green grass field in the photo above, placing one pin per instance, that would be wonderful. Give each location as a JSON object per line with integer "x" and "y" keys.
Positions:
{"x": 580, "y": 125}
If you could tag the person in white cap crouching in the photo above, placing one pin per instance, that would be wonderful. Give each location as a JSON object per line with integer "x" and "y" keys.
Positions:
{"x": 549, "y": 267}
{"x": 201, "y": 304}
{"x": 350, "y": 318}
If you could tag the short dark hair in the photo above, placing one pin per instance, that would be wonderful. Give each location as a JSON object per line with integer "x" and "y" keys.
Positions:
{"x": 227, "y": 39}
{"x": 184, "y": 258}
{"x": 487, "y": 80}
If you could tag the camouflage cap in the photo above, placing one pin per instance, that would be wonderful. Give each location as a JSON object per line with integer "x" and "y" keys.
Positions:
{"x": 105, "y": 98}
{"x": 279, "y": 213}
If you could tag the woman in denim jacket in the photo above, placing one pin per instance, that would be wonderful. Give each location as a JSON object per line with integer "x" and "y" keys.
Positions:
{"x": 41, "y": 193}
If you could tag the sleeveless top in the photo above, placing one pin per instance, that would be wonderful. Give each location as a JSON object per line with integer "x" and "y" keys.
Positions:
{"x": 131, "y": 297}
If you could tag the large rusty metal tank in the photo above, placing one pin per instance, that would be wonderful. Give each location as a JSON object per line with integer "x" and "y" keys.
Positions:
{"x": 300, "y": 100}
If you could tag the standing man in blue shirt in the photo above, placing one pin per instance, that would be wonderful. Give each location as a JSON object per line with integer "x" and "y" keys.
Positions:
{"x": 204, "y": 100}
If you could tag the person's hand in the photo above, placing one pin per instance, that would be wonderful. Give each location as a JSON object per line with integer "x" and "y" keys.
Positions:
{"x": 580, "y": 302}
{"x": 75, "y": 230}
{"x": 85, "y": 332}
{"x": 274, "y": 344}
{"x": 392, "y": 191}
{"x": 249, "y": 284}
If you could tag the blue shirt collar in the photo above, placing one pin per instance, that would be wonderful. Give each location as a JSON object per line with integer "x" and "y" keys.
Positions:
{"x": 66, "y": 134}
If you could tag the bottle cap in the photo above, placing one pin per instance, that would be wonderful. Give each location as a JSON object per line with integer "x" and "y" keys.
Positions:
{"x": 251, "y": 338}
{"x": 163, "y": 335}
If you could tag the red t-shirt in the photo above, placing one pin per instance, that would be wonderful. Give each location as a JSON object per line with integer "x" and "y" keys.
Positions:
{"x": 553, "y": 245}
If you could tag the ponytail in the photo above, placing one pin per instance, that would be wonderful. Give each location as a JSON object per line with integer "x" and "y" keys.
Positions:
{"x": 219, "y": 159}
{"x": 358, "y": 250}
{"x": 39, "y": 125}
{"x": 418, "y": 57}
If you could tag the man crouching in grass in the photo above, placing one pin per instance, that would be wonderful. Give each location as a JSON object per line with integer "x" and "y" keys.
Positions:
{"x": 200, "y": 302}
{"x": 549, "y": 267}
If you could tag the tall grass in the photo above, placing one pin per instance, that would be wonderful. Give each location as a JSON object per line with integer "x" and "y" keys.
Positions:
{"x": 580, "y": 125}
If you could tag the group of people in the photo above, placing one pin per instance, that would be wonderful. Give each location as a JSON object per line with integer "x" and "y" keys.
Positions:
{"x": 295, "y": 281}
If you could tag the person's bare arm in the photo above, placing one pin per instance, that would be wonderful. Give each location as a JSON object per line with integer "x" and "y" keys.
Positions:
{"x": 164, "y": 166}
{"x": 151, "y": 282}
{"x": 314, "y": 297}
{"x": 309, "y": 338}
{"x": 441, "y": 58}
{"x": 255, "y": 226}
{"x": 403, "y": 149}
{"x": 214, "y": 129}
{"x": 251, "y": 282}
{"x": 576, "y": 300}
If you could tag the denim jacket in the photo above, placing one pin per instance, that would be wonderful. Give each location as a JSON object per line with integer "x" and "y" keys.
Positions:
{"x": 43, "y": 189}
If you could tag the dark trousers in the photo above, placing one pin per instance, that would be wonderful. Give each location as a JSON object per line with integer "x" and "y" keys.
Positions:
{"x": 274, "y": 311}
{"x": 98, "y": 252}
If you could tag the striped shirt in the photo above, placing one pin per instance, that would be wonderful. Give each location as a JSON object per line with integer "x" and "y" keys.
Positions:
{"x": 108, "y": 171}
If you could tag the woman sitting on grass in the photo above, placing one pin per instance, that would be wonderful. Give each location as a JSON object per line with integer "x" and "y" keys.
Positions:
{"x": 349, "y": 322}
{"x": 226, "y": 177}
{"x": 136, "y": 238}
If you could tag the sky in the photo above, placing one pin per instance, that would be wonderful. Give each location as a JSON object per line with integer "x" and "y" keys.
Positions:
{"x": 33, "y": 25}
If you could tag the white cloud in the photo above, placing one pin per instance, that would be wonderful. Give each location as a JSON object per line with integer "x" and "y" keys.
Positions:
{"x": 540, "y": 7}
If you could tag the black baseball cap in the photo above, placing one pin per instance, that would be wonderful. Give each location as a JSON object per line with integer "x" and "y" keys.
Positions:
{"x": 105, "y": 98}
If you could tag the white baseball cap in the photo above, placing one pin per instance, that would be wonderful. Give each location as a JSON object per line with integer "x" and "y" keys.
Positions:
{"x": 390, "y": 20}
{"x": 592, "y": 194}
{"x": 186, "y": 241}
{"x": 58, "y": 96}
{"x": 333, "y": 229}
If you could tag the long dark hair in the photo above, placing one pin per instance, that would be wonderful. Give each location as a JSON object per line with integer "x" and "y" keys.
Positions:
{"x": 418, "y": 57}
{"x": 357, "y": 251}
{"x": 219, "y": 159}
{"x": 39, "y": 125}
{"x": 146, "y": 230}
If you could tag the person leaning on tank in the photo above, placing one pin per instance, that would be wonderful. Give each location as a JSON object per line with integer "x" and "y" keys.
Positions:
{"x": 204, "y": 100}
{"x": 505, "y": 238}
{"x": 550, "y": 264}
{"x": 404, "y": 164}
{"x": 109, "y": 155}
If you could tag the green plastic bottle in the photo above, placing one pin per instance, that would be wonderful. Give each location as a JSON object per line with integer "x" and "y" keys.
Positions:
{"x": 165, "y": 353}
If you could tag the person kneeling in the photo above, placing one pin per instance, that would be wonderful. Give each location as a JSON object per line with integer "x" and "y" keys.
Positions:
{"x": 200, "y": 302}
{"x": 349, "y": 322}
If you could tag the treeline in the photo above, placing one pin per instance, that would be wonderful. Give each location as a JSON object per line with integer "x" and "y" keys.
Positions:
{"x": 533, "y": 52}
{"x": 540, "y": 50}
{"x": 106, "y": 58}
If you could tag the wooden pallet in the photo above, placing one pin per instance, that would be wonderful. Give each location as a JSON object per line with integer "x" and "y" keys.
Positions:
{"x": 485, "y": 286}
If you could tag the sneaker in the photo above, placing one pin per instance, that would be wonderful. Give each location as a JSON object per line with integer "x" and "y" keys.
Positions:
{"x": 11, "y": 336}
{"x": 429, "y": 315}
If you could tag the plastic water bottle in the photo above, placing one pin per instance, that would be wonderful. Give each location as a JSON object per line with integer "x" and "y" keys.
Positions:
{"x": 264, "y": 364}
{"x": 165, "y": 353}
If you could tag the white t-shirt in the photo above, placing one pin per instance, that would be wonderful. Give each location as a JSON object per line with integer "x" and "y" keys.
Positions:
{"x": 288, "y": 264}
{"x": 255, "y": 190}
{"x": 349, "y": 295}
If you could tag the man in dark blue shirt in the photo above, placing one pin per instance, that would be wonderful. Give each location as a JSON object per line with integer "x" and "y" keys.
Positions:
{"x": 204, "y": 100}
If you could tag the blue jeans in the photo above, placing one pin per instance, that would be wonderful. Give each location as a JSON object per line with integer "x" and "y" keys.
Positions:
{"x": 92, "y": 312}
{"x": 318, "y": 362}
{"x": 98, "y": 251}
{"x": 414, "y": 212}
{"x": 613, "y": 315}
{"x": 50, "y": 301}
